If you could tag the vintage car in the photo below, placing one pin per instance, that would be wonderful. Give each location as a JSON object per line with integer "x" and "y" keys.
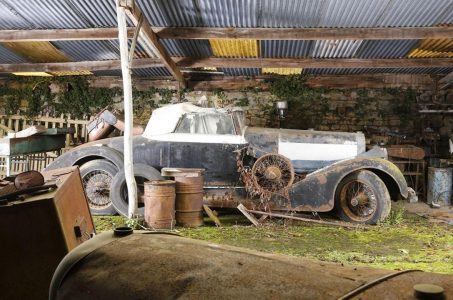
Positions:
{"x": 262, "y": 168}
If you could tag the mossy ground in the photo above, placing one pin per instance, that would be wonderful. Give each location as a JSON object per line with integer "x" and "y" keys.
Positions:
{"x": 405, "y": 241}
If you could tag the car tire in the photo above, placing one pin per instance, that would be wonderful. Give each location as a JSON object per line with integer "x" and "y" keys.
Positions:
{"x": 362, "y": 197}
{"x": 118, "y": 192}
{"x": 97, "y": 177}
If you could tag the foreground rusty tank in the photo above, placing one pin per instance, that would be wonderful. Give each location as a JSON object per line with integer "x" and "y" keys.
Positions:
{"x": 149, "y": 265}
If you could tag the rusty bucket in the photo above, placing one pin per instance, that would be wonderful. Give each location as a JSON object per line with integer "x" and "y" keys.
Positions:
{"x": 189, "y": 195}
{"x": 160, "y": 204}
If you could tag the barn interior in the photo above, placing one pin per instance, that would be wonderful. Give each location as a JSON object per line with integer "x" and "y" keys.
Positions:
{"x": 106, "y": 109}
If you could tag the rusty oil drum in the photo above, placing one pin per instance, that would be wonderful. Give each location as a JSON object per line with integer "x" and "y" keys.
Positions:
{"x": 189, "y": 195}
{"x": 160, "y": 204}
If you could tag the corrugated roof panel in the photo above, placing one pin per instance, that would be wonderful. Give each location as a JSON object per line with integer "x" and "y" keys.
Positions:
{"x": 185, "y": 48}
{"x": 37, "y": 51}
{"x": 291, "y": 13}
{"x": 89, "y": 50}
{"x": 9, "y": 57}
{"x": 97, "y": 13}
{"x": 433, "y": 48}
{"x": 414, "y": 13}
{"x": 34, "y": 74}
{"x": 48, "y": 14}
{"x": 151, "y": 72}
{"x": 385, "y": 48}
{"x": 11, "y": 19}
{"x": 240, "y": 71}
{"x": 274, "y": 48}
{"x": 235, "y": 48}
{"x": 352, "y": 13}
{"x": 229, "y": 13}
{"x": 171, "y": 12}
{"x": 282, "y": 71}
{"x": 335, "y": 48}
{"x": 345, "y": 71}
{"x": 72, "y": 73}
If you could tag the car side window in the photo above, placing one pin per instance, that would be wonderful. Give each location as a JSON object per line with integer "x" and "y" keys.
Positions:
{"x": 206, "y": 123}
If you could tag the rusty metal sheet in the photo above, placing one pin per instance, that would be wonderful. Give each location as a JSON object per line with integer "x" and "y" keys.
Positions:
{"x": 282, "y": 71}
{"x": 406, "y": 152}
{"x": 235, "y": 48}
{"x": 433, "y": 48}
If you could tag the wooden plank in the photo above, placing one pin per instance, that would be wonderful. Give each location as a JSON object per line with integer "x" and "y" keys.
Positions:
{"x": 245, "y": 212}
{"x": 212, "y": 216}
{"x": 400, "y": 33}
{"x": 135, "y": 14}
{"x": 379, "y": 33}
{"x": 78, "y": 66}
{"x": 39, "y": 35}
{"x": 218, "y": 62}
{"x": 190, "y": 62}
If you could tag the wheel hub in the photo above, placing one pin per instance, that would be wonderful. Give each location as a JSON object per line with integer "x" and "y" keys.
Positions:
{"x": 273, "y": 173}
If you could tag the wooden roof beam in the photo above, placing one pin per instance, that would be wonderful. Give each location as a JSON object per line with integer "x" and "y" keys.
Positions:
{"x": 79, "y": 66}
{"x": 379, "y": 33}
{"x": 333, "y": 63}
{"x": 134, "y": 13}
{"x": 43, "y": 35}
{"x": 190, "y": 62}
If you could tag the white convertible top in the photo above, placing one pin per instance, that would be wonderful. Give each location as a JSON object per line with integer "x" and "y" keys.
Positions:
{"x": 164, "y": 119}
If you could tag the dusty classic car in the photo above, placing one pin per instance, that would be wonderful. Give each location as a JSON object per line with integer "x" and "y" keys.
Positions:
{"x": 267, "y": 168}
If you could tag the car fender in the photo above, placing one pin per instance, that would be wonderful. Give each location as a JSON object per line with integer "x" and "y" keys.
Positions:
{"x": 80, "y": 155}
{"x": 316, "y": 192}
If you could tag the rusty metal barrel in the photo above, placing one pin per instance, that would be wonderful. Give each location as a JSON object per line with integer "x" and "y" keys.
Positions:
{"x": 189, "y": 195}
{"x": 439, "y": 185}
{"x": 160, "y": 204}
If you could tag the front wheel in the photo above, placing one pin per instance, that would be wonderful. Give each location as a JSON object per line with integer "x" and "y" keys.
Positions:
{"x": 96, "y": 178}
{"x": 362, "y": 197}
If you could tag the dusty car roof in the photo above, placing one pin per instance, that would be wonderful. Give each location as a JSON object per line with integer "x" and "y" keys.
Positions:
{"x": 164, "y": 119}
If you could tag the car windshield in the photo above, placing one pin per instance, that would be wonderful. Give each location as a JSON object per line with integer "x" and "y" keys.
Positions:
{"x": 206, "y": 123}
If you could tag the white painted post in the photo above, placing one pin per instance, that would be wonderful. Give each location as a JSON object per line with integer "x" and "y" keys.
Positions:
{"x": 128, "y": 112}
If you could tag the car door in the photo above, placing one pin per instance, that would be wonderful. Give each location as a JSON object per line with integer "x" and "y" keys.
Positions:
{"x": 208, "y": 141}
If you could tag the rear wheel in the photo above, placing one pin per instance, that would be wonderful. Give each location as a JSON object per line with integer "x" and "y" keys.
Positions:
{"x": 96, "y": 179}
{"x": 362, "y": 197}
{"x": 119, "y": 195}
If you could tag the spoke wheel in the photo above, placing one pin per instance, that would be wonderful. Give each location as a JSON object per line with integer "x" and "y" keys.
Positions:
{"x": 362, "y": 197}
{"x": 272, "y": 173}
{"x": 97, "y": 178}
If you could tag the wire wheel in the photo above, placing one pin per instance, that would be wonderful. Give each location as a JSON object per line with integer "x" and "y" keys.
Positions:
{"x": 358, "y": 200}
{"x": 272, "y": 173}
{"x": 97, "y": 188}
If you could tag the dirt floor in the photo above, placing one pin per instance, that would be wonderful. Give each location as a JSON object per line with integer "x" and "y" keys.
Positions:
{"x": 405, "y": 241}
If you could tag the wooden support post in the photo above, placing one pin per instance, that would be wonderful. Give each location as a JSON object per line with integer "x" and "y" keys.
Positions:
{"x": 128, "y": 112}
{"x": 246, "y": 213}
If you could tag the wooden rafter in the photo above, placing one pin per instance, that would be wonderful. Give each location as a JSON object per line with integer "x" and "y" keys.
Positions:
{"x": 312, "y": 62}
{"x": 399, "y": 33}
{"x": 394, "y": 33}
{"x": 189, "y": 62}
{"x": 134, "y": 13}
{"x": 42, "y": 35}
{"x": 446, "y": 81}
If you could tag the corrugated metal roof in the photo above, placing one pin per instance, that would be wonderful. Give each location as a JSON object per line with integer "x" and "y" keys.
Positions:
{"x": 235, "y": 48}
{"x": 240, "y": 71}
{"x": 291, "y": 13}
{"x": 151, "y": 72}
{"x": 344, "y": 71}
{"x": 171, "y": 12}
{"x": 11, "y": 19}
{"x": 385, "y": 48}
{"x": 48, "y": 14}
{"x": 96, "y": 13}
{"x": 8, "y": 57}
{"x": 187, "y": 48}
{"x": 88, "y": 50}
{"x": 433, "y": 48}
{"x": 335, "y": 48}
{"x": 276, "y": 48}
{"x": 116, "y": 73}
{"x": 415, "y": 13}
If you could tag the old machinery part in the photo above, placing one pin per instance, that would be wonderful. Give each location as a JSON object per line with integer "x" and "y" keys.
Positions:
{"x": 362, "y": 197}
{"x": 272, "y": 173}
{"x": 97, "y": 179}
{"x": 118, "y": 191}
{"x": 28, "y": 179}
